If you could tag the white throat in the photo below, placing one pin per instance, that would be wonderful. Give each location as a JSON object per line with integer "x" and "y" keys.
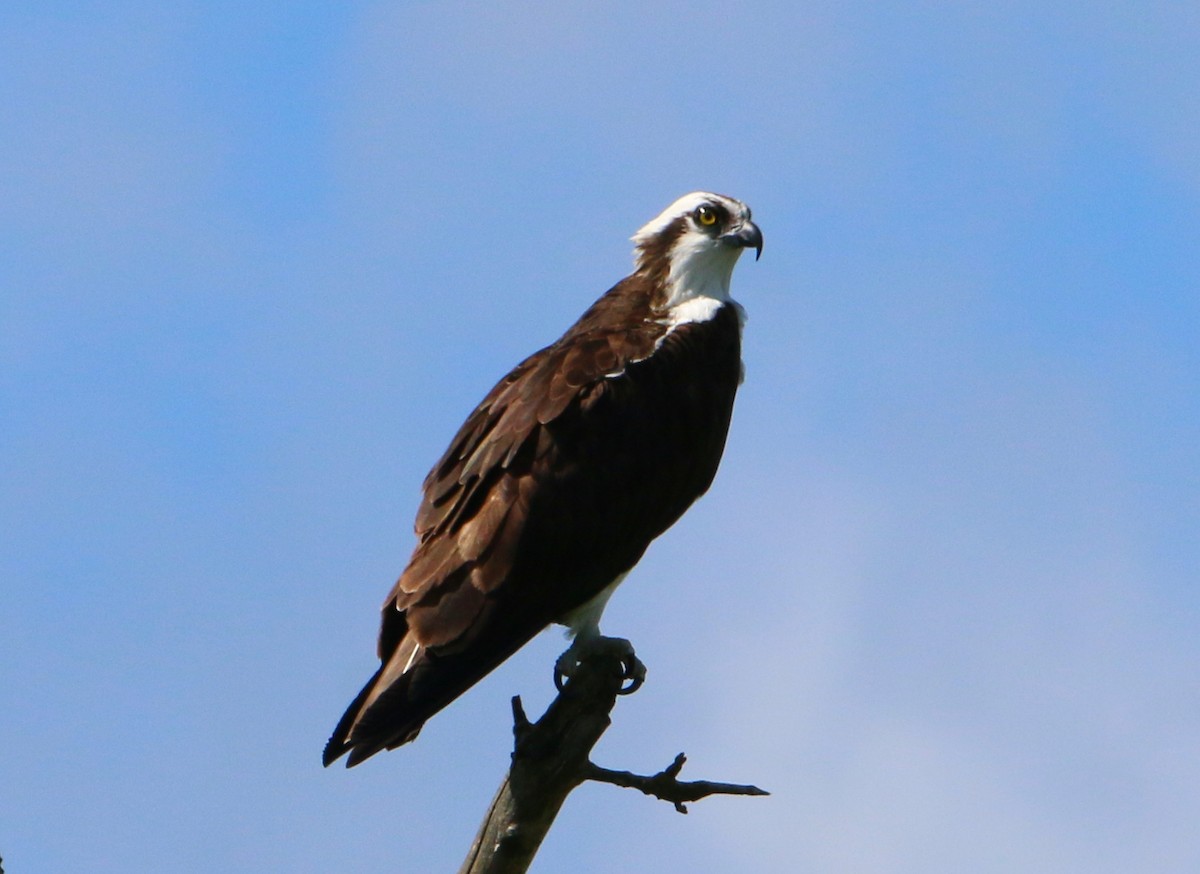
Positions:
{"x": 699, "y": 272}
{"x": 700, "y": 263}
{"x": 698, "y": 282}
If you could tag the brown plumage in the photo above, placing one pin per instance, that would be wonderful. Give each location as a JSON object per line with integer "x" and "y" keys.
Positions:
{"x": 552, "y": 489}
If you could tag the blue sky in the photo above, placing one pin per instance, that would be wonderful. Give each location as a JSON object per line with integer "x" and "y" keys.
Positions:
{"x": 257, "y": 261}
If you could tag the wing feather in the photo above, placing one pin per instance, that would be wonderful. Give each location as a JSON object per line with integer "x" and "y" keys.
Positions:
{"x": 536, "y": 506}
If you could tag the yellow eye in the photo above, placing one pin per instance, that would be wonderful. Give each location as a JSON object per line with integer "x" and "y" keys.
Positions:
{"x": 706, "y": 215}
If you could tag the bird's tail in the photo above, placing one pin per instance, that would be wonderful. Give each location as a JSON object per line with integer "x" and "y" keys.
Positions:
{"x": 385, "y": 714}
{"x": 410, "y": 687}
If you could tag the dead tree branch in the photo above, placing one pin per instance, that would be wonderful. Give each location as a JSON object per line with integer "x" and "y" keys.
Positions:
{"x": 550, "y": 758}
{"x": 665, "y": 787}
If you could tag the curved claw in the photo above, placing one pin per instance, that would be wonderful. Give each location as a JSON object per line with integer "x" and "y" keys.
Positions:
{"x": 564, "y": 667}
{"x": 633, "y": 672}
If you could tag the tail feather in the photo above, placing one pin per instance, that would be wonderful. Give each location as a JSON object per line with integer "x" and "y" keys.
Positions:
{"x": 383, "y": 714}
{"x": 339, "y": 742}
{"x": 410, "y": 687}
{"x": 365, "y": 730}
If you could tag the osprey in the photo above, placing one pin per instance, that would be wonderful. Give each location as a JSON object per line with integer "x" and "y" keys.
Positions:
{"x": 559, "y": 480}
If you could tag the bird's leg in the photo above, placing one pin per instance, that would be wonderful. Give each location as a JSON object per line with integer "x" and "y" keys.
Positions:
{"x": 633, "y": 672}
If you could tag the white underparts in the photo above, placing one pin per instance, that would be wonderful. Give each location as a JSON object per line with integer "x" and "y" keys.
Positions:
{"x": 697, "y": 308}
{"x": 583, "y": 623}
{"x": 694, "y": 309}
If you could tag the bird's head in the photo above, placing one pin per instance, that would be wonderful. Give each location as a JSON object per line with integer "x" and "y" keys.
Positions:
{"x": 691, "y": 247}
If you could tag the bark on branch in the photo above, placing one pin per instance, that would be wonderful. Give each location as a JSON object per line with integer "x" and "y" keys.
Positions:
{"x": 550, "y": 758}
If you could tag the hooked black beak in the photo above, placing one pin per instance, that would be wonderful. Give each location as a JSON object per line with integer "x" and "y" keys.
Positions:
{"x": 746, "y": 235}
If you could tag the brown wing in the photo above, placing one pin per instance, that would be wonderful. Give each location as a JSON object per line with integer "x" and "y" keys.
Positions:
{"x": 553, "y": 486}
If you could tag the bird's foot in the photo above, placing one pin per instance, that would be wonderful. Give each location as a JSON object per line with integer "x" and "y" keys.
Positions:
{"x": 633, "y": 672}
